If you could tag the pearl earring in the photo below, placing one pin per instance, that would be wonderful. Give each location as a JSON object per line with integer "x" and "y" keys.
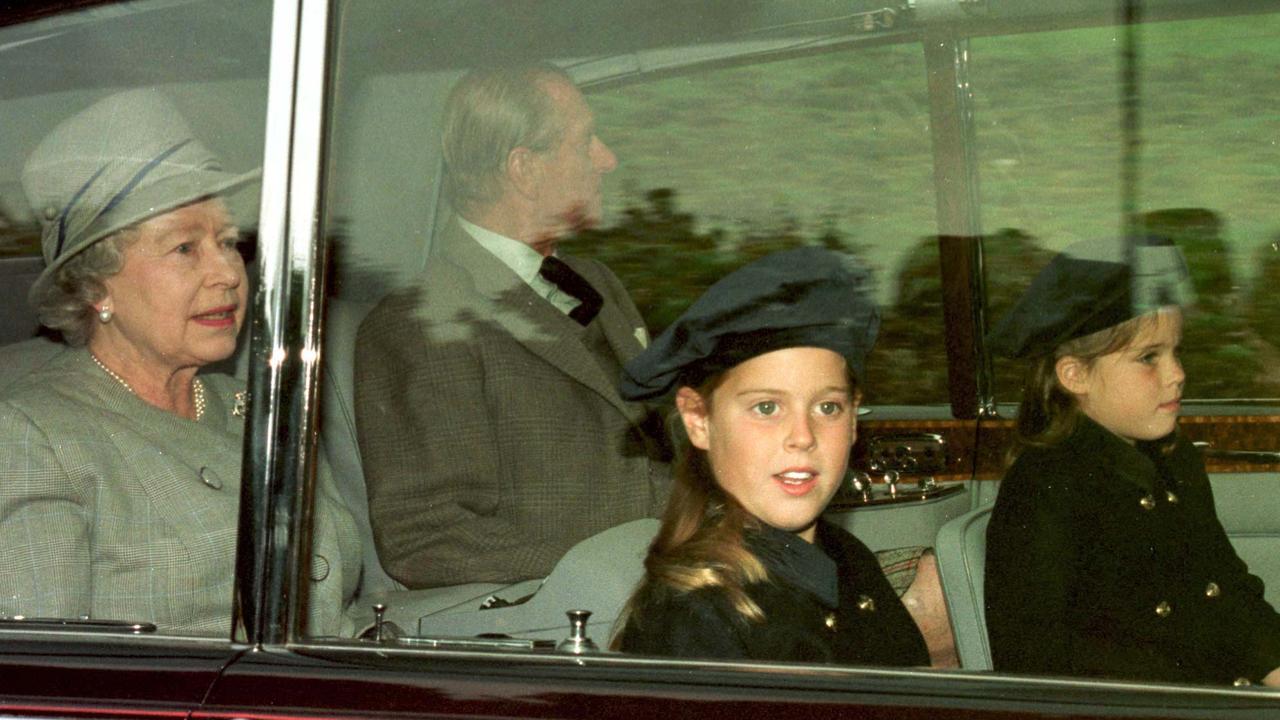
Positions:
{"x": 104, "y": 315}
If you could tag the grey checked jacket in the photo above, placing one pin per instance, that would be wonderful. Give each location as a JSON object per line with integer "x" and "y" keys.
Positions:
{"x": 492, "y": 437}
{"x": 115, "y": 509}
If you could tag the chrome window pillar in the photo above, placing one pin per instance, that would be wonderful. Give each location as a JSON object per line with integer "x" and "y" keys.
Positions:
{"x": 959, "y": 223}
{"x": 280, "y": 453}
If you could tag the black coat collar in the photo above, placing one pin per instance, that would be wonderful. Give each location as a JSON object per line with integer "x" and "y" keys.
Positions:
{"x": 1140, "y": 464}
{"x": 793, "y": 561}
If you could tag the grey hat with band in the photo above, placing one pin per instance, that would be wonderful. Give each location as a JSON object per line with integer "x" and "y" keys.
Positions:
{"x": 126, "y": 158}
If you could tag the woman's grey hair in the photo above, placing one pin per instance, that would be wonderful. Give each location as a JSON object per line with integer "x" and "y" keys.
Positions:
{"x": 66, "y": 305}
{"x": 489, "y": 113}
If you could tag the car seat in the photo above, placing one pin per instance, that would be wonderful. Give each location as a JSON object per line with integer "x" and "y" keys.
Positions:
{"x": 597, "y": 574}
{"x": 961, "y": 551}
{"x": 338, "y": 431}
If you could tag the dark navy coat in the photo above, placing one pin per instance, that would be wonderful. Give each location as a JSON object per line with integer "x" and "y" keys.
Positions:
{"x": 827, "y": 603}
{"x": 1108, "y": 559}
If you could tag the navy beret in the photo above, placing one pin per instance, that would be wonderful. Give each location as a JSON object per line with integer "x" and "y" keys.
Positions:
{"x": 1088, "y": 287}
{"x": 808, "y": 297}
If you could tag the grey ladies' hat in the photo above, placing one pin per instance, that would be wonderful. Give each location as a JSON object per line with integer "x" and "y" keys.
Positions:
{"x": 808, "y": 297}
{"x": 126, "y": 158}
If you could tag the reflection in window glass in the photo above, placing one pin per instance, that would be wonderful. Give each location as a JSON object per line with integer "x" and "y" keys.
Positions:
{"x": 719, "y": 166}
{"x": 445, "y": 401}
{"x": 131, "y": 138}
{"x": 483, "y": 419}
{"x": 1051, "y": 155}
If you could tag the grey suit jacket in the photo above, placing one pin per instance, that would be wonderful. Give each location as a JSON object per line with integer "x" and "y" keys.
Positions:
{"x": 115, "y": 509}
{"x": 492, "y": 439}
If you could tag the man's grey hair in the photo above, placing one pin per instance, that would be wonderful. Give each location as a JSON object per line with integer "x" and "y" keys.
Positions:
{"x": 489, "y": 113}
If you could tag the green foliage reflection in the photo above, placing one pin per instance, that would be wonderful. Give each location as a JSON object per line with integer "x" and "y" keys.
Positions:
{"x": 1229, "y": 345}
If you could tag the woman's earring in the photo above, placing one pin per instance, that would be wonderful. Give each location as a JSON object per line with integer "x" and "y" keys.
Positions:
{"x": 104, "y": 315}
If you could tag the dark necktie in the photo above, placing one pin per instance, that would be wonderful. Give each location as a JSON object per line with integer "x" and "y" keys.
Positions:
{"x": 556, "y": 272}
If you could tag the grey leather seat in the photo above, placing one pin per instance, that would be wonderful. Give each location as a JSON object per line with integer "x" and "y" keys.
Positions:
{"x": 597, "y": 574}
{"x": 961, "y": 550}
{"x": 338, "y": 431}
{"x": 1245, "y": 506}
{"x": 21, "y": 351}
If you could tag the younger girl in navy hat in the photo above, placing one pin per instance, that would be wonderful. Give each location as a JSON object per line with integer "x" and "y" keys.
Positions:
{"x": 1105, "y": 556}
{"x": 765, "y": 367}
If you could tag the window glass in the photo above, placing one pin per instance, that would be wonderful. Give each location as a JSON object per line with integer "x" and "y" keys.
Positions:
{"x": 474, "y": 468}
{"x": 17, "y": 239}
{"x": 1051, "y": 155}
{"x": 719, "y": 166}
{"x": 137, "y": 126}
{"x": 485, "y": 444}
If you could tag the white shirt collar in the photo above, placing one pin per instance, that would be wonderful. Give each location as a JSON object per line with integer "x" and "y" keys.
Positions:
{"x": 523, "y": 260}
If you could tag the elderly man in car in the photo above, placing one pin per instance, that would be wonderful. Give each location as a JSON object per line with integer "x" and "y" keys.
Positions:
{"x": 492, "y": 435}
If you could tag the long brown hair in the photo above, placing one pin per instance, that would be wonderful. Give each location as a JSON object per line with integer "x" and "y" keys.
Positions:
{"x": 701, "y": 541}
{"x": 1048, "y": 413}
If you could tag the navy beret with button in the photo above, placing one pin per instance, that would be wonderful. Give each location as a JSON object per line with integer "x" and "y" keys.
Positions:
{"x": 808, "y": 297}
{"x": 1090, "y": 286}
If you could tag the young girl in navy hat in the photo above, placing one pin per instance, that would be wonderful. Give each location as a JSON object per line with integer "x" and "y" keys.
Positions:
{"x": 765, "y": 368}
{"x": 1105, "y": 556}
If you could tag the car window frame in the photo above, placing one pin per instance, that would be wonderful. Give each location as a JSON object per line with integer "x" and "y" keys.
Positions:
{"x": 84, "y": 636}
{"x": 281, "y": 446}
{"x": 281, "y": 457}
{"x": 288, "y": 315}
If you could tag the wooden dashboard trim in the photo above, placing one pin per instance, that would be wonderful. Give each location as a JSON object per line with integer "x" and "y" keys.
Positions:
{"x": 975, "y": 448}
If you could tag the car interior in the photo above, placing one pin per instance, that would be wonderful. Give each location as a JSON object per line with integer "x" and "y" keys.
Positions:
{"x": 744, "y": 128}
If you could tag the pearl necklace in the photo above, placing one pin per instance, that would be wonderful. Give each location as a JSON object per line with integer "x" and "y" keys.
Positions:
{"x": 197, "y": 386}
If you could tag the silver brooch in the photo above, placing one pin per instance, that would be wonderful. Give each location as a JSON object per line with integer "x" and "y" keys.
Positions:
{"x": 240, "y": 403}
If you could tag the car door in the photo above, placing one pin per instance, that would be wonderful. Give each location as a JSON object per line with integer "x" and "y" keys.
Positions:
{"x": 210, "y": 58}
{"x": 742, "y": 128}
{"x": 750, "y": 128}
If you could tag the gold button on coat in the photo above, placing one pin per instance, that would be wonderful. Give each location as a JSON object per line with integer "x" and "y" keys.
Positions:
{"x": 1212, "y": 590}
{"x": 1147, "y": 502}
{"x": 830, "y": 621}
{"x": 1164, "y": 609}
{"x": 866, "y": 604}
{"x": 1168, "y": 495}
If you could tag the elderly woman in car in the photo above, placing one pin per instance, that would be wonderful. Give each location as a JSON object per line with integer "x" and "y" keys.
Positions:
{"x": 119, "y": 462}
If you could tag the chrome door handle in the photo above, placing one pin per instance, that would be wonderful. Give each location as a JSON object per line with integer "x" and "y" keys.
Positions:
{"x": 1256, "y": 457}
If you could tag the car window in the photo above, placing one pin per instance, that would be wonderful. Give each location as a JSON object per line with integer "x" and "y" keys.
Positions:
{"x": 474, "y": 470}
{"x": 721, "y": 165}
{"x": 19, "y": 240}
{"x": 1052, "y": 156}
{"x": 791, "y": 154}
{"x": 449, "y": 502}
{"x": 138, "y": 125}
